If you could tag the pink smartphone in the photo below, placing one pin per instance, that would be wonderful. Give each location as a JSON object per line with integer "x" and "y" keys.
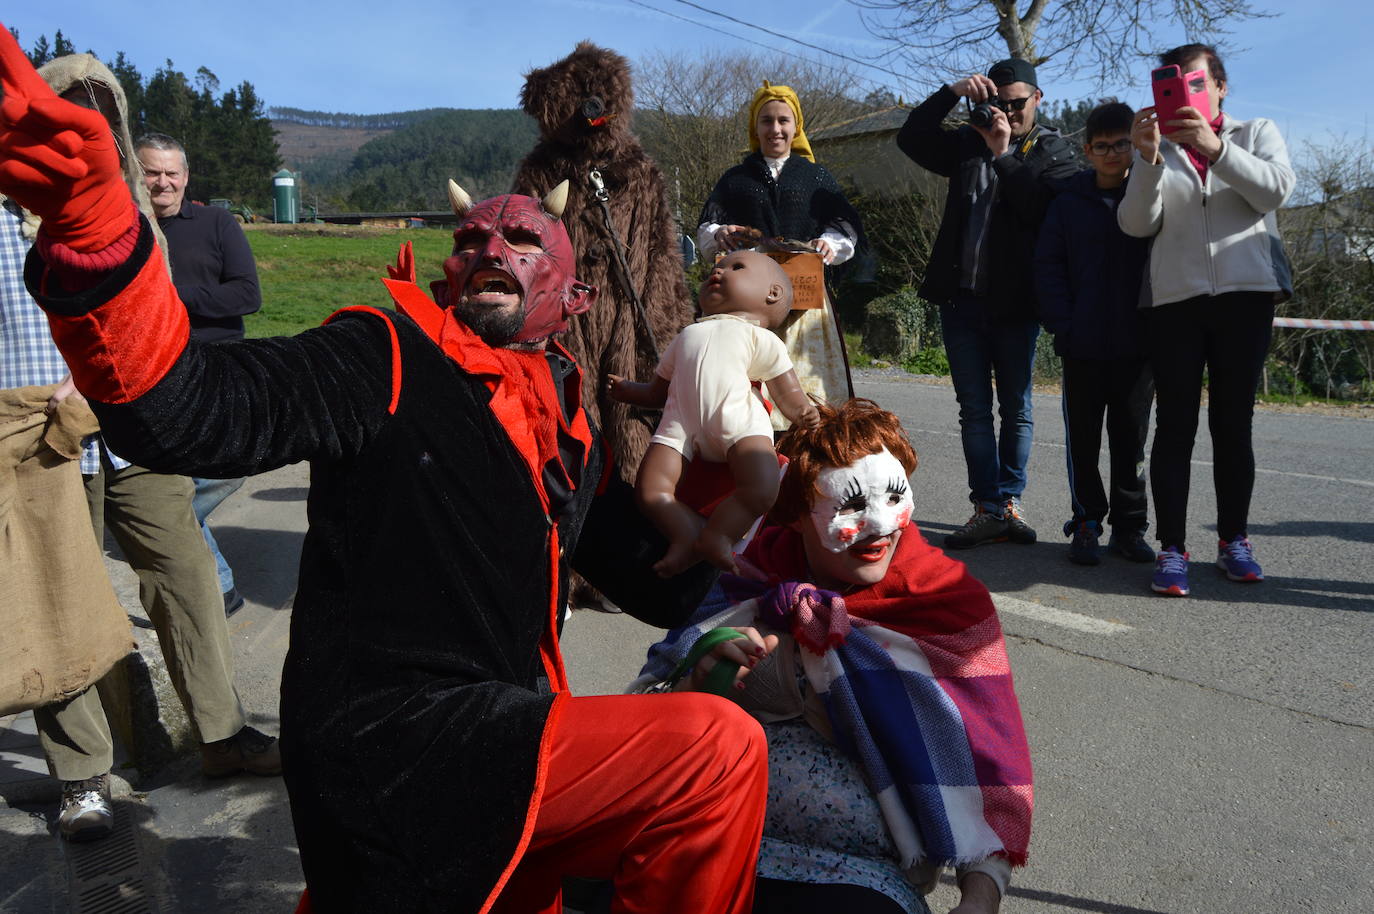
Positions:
{"x": 1174, "y": 90}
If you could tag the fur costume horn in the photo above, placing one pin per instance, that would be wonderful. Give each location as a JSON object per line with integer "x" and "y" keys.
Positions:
{"x": 458, "y": 199}
{"x": 556, "y": 200}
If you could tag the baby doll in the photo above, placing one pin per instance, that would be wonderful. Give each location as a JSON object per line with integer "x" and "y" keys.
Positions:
{"x": 709, "y": 407}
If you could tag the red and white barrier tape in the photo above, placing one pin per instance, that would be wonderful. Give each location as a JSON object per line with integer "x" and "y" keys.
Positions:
{"x": 1306, "y": 323}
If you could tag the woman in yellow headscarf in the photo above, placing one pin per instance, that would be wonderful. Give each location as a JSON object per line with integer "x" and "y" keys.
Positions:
{"x": 779, "y": 191}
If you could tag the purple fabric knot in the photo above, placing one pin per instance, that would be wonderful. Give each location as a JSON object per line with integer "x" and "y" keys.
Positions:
{"x": 817, "y": 618}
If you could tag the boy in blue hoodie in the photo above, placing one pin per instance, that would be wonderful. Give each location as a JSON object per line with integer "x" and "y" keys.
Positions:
{"x": 1088, "y": 278}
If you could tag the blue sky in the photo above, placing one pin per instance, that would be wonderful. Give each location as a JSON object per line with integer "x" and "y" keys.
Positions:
{"x": 1299, "y": 68}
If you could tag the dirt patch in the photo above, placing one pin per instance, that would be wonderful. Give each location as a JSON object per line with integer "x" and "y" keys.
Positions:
{"x": 326, "y": 228}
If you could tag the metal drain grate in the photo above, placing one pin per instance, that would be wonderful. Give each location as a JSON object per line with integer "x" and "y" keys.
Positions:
{"x": 106, "y": 875}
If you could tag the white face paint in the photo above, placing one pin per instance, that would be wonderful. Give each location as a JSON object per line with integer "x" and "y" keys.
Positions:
{"x": 868, "y": 498}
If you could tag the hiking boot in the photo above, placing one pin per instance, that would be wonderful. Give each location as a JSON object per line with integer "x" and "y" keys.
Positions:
{"x": 86, "y": 813}
{"x": 1084, "y": 550}
{"x": 1237, "y": 559}
{"x": 1130, "y": 544}
{"x": 1171, "y": 572}
{"x": 982, "y": 527}
{"x": 1018, "y": 531}
{"x": 247, "y": 750}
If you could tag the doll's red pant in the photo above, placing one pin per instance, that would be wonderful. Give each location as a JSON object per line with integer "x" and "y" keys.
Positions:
{"x": 663, "y": 794}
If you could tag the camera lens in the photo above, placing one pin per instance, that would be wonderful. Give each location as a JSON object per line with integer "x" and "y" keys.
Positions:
{"x": 980, "y": 115}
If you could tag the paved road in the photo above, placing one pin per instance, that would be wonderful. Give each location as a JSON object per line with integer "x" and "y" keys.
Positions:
{"x": 1202, "y": 755}
{"x": 1211, "y": 754}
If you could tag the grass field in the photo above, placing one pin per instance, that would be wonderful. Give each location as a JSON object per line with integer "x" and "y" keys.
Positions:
{"x": 309, "y": 273}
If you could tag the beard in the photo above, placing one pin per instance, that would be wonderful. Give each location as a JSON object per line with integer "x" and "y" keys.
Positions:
{"x": 495, "y": 326}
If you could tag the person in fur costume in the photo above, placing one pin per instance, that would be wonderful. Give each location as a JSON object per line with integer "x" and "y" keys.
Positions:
{"x": 583, "y": 104}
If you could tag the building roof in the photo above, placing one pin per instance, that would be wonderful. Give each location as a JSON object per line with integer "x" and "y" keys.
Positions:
{"x": 880, "y": 121}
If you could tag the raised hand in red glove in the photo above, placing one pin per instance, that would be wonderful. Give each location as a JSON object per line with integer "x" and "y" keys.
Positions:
{"x": 405, "y": 264}
{"x": 57, "y": 159}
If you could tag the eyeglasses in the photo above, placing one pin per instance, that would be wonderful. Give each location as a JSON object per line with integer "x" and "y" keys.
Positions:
{"x": 1120, "y": 147}
{"x": 1012, "y": 104}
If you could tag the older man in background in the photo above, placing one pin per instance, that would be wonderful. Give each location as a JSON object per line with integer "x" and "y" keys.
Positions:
{"x": 217, "y": 280}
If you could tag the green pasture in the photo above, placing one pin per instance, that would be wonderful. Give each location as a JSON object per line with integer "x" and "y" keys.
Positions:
{"x": 307, "y": 275}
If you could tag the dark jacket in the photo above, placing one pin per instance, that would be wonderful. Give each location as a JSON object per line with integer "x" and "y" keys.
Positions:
{"x": 802, "y": 203}
{"x": 423, "y": 669}
{"x": 1023, "y": 194}
{"x": 1088, "y": 274}
{"x": 213, "y": 269}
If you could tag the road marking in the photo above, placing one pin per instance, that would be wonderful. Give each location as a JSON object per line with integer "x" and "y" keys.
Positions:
{"x": 1365, "y": 483}
{"x": 1350, "y": 482}
{"x": 1013, "y": 606}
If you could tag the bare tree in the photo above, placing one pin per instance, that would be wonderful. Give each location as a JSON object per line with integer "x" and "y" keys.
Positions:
{"x": 1330, "y": 240}
{"x": 692, "y": 112}
{"x": 1102, "y": 39}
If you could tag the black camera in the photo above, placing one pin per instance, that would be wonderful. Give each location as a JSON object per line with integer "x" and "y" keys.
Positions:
{"x": 980, "y": 115}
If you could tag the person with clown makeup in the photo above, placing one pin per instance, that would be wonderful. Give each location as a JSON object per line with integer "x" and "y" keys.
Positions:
{"x": 877, "y": 667}
{"x": 433, "y": 754}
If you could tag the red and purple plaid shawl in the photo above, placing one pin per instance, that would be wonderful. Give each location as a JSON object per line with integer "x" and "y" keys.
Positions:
{"x": 914, "y": 674}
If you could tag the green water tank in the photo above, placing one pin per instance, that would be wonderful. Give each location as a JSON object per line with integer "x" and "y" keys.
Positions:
{"x": 286, "y": 197}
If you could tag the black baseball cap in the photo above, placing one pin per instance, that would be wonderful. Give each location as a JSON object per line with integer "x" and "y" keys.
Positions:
{"x": 1012, "y": 70}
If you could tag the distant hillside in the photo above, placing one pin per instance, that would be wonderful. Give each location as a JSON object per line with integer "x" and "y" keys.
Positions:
{"x": 402, "y": 160}
{"x": 300, "y": 145}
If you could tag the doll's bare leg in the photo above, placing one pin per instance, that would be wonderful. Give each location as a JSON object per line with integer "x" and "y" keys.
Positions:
{"x": 754, "y": 466}
{"x": 655, "y": 489}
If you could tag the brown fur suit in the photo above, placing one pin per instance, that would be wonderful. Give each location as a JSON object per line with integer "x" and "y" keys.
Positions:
{"x": 605, "y": 339}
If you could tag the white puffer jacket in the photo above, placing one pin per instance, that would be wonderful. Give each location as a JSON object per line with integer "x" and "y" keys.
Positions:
{"x": 1219, "y": 236}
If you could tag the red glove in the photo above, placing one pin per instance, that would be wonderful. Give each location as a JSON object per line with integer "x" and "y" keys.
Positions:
{"x": 58, "y": 160}
{"x": 405, "y": 264}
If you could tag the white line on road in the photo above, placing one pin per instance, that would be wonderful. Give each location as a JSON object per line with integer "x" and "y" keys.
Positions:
{"x": 1350, "y": 482}
{"x": 1366, "y": 483}
{"x": 1013, "y": 606}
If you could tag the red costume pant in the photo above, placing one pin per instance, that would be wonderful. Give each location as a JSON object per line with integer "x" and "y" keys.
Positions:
{"x": 664, "y": 794}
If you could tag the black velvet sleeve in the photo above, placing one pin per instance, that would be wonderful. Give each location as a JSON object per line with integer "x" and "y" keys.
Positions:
{"x": 235, "y": 409}
{"x": 616, "y": 552}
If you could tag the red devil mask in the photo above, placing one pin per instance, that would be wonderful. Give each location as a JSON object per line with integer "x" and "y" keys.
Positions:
{"x": 510, "y": 277}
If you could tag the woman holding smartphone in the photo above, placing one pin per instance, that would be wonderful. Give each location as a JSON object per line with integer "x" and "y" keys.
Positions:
{"x": 1206, "y": 189}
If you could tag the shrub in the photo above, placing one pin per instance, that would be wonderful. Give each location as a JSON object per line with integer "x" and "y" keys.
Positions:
{"x": 931, "y": 360}
{"x": 900, "y": 325}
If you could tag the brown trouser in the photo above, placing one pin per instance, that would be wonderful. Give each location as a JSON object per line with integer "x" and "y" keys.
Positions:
{"x": 151, "y": 518}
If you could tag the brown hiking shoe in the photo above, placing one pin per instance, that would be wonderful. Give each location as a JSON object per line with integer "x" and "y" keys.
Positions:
{"x": 247, "y": 750}
{"x": 85, "y": 813}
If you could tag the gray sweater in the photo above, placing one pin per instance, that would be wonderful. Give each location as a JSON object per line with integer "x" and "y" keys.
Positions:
{"x": 1218, "y": 236}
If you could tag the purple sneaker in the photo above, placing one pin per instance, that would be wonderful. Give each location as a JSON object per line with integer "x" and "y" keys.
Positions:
{"x": 1237, "y": 559}
{"x": 1171, "y": 572}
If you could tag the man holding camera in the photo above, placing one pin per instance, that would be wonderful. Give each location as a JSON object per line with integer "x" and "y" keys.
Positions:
{"x": 1000, "y": 166}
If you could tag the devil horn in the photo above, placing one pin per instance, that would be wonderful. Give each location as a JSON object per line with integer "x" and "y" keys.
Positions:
{"x": 458, "y": 199}
{"x": 556, "y": 200}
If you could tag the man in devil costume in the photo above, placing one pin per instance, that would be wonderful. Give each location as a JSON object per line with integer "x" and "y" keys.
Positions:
{"x": 434, "y": 758}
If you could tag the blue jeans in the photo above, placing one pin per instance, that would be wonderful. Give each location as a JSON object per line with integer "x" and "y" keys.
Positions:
{"x": 979, "y": 350}
{"x": 209, "y": 494}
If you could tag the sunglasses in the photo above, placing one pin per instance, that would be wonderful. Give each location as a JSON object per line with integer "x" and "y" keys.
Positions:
{"x": 1120, "y": 147}
{"x": 1011, "y": 104}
